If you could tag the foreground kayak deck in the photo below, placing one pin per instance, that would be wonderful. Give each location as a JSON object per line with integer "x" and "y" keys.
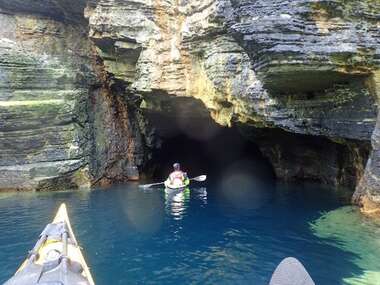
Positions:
{"x": 56, "y": 258}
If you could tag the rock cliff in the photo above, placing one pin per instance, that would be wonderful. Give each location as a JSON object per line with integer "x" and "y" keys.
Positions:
{"x": 303, "y": 67}
{"x": 300, "y": 78}
{"x": 45, "y": 77}
{"x": 61, "y": 125}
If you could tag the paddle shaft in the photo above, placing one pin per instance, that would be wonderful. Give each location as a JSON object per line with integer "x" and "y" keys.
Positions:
{"x": 156, "y": 184}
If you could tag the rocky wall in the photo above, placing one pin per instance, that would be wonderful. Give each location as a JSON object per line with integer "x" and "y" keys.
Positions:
{"x": 62, "y": 124}
{"x": 45, "y": 75}
{"x": 301, "y": 70}
{"x": 367, "y": 194}
{"x": 304, "y": 67}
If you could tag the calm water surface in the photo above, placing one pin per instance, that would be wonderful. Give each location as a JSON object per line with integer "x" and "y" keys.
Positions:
{"x": 233, "y": 232}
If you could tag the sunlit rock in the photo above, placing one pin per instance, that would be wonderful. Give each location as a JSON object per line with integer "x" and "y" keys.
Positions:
{"x": 301, "y": 66}
{"x": 367, "y": 194}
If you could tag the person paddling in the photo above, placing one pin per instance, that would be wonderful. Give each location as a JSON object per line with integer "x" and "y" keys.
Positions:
{"x": 177, "y": 177}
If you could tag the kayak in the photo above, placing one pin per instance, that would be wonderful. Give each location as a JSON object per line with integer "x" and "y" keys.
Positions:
{"x": 56, "y": 257}
{"x": 170, "y": 186}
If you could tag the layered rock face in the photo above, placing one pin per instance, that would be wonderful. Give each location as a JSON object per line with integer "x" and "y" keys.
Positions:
{"x": 277, "y": 63}
{"x": 304, "y": 67}
{"x": 45, "y": 76}
{"x": 62, "y": 126}
{"x": 296, "y": 76}
{"x": 367, "y": 194}
{"x": 121, "y": 138}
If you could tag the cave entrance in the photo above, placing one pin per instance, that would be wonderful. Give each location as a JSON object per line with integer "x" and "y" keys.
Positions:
{"x": 190, "y": 136}
{"x": 213, "y": 156}
{"x": 203, "y": 147}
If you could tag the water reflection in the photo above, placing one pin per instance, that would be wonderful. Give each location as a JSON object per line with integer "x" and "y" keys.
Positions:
{"x": 243, "y": 188}
{"x": 201, "y": 194}
{"x": 144, "y": 210}
{"x": 177, "y": 201}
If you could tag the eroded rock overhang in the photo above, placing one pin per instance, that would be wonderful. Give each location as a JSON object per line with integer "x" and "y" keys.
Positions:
{"x": 304, "y": 70}
{"x": 305, "y": 67}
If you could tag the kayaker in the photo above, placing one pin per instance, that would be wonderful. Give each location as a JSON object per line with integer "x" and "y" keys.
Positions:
{"x": 177, "y": 177}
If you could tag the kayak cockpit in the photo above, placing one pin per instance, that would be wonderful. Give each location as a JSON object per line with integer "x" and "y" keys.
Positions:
{"x": 177, "y": 186}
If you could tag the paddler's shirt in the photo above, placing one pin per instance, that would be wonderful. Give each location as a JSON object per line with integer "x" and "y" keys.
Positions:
{"x": 177, "y": 177}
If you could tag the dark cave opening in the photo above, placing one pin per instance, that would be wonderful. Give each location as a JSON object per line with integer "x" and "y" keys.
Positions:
{"x": 203, "y": 147}
{"x": 212, "y": 157}
{"x": 191, "y": 137}
{"x": 299, "y": 157}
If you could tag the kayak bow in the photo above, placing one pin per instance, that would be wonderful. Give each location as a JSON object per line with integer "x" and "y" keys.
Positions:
{"x": 56, "y": 258}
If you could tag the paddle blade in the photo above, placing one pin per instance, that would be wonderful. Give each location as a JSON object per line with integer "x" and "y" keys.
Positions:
{"x": 144, "y": 186}
{"x": 200, "y": 178}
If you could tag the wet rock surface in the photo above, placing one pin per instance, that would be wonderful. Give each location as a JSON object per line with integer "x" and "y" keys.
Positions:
{"x": 367, "y": 194}
{"x": 45, "y": 76}
{"x": 50, "y": 87}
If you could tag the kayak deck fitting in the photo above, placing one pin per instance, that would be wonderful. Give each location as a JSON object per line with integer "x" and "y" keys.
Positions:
{"x": 56, "y": 257}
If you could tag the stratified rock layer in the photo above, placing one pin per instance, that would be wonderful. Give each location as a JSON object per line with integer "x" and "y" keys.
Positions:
{"x": 297, "y": 72}
{"x": 44, "y": 88}
{"x": 302, "y": 66}
{"x": 318, "y": 56}
{"x": 63, "y": 123}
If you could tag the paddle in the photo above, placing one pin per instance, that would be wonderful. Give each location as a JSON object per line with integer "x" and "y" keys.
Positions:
{"x": 198, "y": 178}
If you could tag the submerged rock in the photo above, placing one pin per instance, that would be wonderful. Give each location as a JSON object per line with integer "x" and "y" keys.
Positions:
{"x": 347, "y": 229}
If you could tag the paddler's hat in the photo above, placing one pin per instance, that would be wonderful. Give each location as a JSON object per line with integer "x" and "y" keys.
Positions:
{"x": 176, "y": 166}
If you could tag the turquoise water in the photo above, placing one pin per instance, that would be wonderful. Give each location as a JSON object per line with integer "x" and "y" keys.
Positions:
{"x": 218, "y": 234}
